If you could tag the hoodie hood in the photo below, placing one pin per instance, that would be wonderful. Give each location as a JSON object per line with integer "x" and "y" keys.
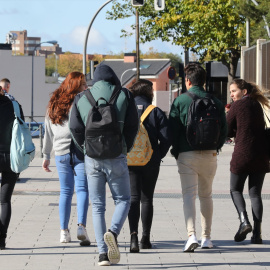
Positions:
{"x": 105, "y": 73}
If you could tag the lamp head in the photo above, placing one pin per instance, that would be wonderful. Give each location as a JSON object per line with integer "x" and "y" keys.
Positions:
{"x": 54, "y": 42}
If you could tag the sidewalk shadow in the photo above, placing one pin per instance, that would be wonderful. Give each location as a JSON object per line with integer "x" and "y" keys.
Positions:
{"x": 220, "y": 246}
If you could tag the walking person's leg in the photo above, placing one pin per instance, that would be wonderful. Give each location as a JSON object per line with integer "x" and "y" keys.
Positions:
{"x": 81, "y": 188}
{"x": 189, "y": 183}
{"x": 134, "y": 211}
{"x": 118, "y": 179}
{"x": 207, "y": 171}
{"x": 255, "y": 184}
{"x": 8, "y": 182}
{"x": 66, "y": 179}
{"x": 237, "y": 183}
{"x": 96, "y": 179}
{"x": 150, "y": 176}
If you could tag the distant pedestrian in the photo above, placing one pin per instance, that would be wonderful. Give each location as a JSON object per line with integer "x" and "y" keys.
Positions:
{"x": 9, "y": 177}
{"x": 69, "y": 161}
{"x": 5, "y": 84}
{"x": 250, "y": 158}
{"x": 113, "y": 171}
{"x": 143, "y": 178}
{"x": 197, "y": 168}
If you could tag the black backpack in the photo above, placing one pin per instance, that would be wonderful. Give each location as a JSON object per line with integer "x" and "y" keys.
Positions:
{"x": 103, "y": 137}
{"x": 203, "y": 123}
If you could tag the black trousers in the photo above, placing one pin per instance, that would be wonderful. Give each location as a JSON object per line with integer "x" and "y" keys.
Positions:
{"x": 255, "y": 183}
{"x": 142, "y": 182}
{"x": 8, "y": 182}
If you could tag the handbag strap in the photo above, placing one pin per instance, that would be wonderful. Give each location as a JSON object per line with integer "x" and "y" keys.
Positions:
{"x": 16, "y": 108}
{"x": 147, "y": 111}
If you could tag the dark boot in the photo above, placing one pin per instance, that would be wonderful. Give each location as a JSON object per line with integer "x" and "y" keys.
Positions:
{"x": 145, "y": 242}
{"x": 134, "y": 243}
{"x": 257, "y": 233}
{"x": 244, "y": 228}
{"x": 2, "y": 243}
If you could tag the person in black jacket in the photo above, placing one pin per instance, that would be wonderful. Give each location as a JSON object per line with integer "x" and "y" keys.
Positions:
{"x": 143, "y": 178}
{"x": 9, "y": 177}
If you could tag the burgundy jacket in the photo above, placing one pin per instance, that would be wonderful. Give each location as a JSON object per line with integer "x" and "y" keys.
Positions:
{"x": 246, "y": 123}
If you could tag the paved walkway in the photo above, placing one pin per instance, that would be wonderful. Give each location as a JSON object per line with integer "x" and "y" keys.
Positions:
{"x": 33, "y": 236}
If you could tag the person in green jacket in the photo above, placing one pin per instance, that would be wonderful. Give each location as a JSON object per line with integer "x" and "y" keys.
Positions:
{"x": 197, "y": 168}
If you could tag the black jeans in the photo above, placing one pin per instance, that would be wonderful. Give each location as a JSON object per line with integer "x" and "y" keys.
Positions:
{"x": 8, "y": 182}
{"x": 142, "y": 183}
{"x": 255, "y": 183}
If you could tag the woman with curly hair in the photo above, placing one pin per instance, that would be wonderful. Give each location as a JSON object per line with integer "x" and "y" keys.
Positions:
{"x": 250, "y": 158}
{"x": 69, "y": 161}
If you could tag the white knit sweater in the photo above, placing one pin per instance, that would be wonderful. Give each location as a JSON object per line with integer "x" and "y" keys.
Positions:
{"x": 57, "y": 138}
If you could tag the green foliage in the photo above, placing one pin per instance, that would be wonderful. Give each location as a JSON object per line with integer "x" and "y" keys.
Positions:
{"x": 255, "y": 15}
{"x": 207, "y": 27}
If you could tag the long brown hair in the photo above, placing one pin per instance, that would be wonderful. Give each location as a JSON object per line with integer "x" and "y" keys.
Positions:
{"x": 63, "y": 97}
{"x": 252, "y": 90}
{"x": 1, "y": 91}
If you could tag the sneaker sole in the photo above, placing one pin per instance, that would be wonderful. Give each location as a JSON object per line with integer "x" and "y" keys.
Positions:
{"x": 85, "y": 243}
{"x": 81, "y": 237}
{"x": 206, "y": 247}
{"x": 113, "y": 251}
{"x": 192, "y": 247}
{"x": 104, "y": 263}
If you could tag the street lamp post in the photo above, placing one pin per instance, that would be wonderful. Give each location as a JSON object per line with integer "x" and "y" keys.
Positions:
{"x": 130, "y": 69}
{"x": 32, "y": 92}
{"x": 87, "y": 34}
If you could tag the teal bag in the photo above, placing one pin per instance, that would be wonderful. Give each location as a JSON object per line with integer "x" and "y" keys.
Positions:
{"x": 22, "y": 149}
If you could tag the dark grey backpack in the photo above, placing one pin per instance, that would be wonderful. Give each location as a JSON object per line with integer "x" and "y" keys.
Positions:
{"x": 103, "y": 137}
{"x": 203, "y": 123}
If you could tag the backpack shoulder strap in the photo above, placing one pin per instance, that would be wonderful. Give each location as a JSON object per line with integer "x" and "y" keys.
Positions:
{"x": 115, "y": 94}
{"x": 192, "y": 95}
{"x": 147, "y": 111}
{"x": 16, "y": 109}
{"x": 90, "y": 98}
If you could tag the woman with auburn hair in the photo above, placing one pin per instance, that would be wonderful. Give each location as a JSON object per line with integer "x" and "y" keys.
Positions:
{"x": 69, "y": 161}
{"x": 250, "y": 157}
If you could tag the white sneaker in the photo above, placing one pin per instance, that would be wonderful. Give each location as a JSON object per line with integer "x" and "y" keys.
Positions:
{"x": 206, "y": 243}
{"x": 113, "y": 250}
{"x": 83, "y": 236}
{"x": 191, "y": 244}
{"x": 65, "y": 236}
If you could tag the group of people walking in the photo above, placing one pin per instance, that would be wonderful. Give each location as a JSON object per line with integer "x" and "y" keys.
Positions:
{"x": 132, "y": 187}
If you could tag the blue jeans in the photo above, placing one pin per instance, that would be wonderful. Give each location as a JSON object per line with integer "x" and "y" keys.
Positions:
{"x": 115, "y": 173}
{"x": 67, "y": 179}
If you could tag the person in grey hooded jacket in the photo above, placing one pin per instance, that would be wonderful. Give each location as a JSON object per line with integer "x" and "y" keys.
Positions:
{"x": 113, "y": 171}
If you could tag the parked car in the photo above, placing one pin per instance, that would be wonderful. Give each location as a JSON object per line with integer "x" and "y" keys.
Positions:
{"x": 35, "y": 128}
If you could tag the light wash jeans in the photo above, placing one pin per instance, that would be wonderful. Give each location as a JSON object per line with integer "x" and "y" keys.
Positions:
{"x": 67, "y": 180}
{"x": 115, "y": 173}
{"x": 197, "y": 170}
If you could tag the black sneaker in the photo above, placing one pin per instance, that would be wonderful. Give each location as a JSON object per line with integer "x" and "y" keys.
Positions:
{"x": 110, "y": 239}
{"x": 103, "y": 260}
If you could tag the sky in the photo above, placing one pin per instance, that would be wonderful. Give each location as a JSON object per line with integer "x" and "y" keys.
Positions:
{"x": 67, "y": 22}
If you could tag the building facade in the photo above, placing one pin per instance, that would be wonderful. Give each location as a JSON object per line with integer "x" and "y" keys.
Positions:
{"x": 22, "y": 44}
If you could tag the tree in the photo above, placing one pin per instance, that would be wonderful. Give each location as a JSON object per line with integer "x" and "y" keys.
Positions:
{"x": 256, "y": 15}
{"x": 207, "y": 27}
{"x": 69, "y": 62}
